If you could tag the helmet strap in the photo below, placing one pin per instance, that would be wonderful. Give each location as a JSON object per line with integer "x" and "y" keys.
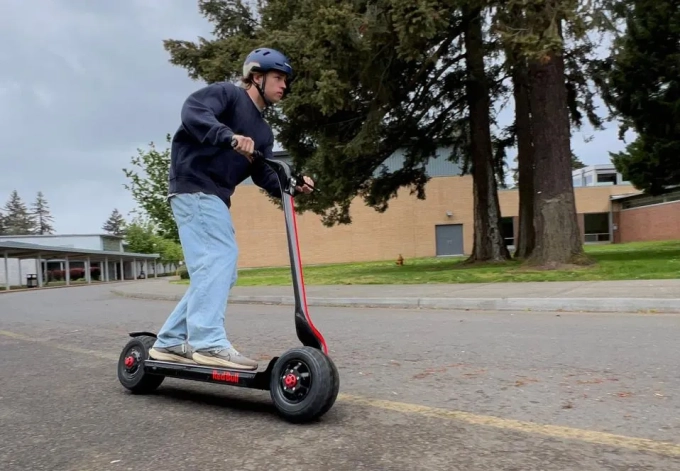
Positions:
{"x": 260, "y": 89}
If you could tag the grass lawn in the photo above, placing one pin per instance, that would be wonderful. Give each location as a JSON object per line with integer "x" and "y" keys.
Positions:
{"x": 639, "y": 260}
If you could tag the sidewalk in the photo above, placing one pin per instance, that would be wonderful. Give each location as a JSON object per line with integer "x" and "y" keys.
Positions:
{"x": 662, "y": 296}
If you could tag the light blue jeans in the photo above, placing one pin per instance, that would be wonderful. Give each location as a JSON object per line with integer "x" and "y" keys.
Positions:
{"x": 208, "y": 241}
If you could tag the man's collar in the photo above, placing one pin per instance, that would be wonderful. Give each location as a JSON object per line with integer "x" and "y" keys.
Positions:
{"x": 261, "y": 109}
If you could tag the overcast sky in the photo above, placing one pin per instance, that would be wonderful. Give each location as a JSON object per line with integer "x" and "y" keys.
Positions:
{"x": 84, "y": 83}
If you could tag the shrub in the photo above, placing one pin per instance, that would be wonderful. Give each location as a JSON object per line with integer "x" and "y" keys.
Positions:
{"x": 183, "y": 272}
{"x": 75, "y": 274}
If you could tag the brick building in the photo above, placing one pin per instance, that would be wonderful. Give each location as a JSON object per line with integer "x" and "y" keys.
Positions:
{"x": 641, "y": 217}
{"x": 440, "y": 225}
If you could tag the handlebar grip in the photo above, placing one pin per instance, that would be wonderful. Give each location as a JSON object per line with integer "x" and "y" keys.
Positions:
{"x": 256, "y": 154}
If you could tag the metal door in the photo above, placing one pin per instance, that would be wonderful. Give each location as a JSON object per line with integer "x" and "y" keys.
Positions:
{"x": 449, "y": 239}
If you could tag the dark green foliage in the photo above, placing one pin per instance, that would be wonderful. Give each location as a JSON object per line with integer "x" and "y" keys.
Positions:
{"x": 17, "y": 220}
{"x": 41, "y": 215}
{"x": 148, "y": 184}
{"x": 115, "y": 224}
{"x": 371, "y": 78}
{"x": 643, "y": 87}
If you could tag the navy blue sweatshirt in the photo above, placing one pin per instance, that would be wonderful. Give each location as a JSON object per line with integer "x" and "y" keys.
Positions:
{"x": 201, "y": 157}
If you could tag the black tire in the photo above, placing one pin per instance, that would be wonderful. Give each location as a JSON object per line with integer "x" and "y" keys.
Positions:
{"x": 132, "y": 376}
{"x": 313, "y": 386}
{"x": 336, "y": 388}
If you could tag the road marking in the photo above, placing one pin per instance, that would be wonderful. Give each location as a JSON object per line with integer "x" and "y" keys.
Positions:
{"x": 555, "y": 431}
{"x": 532, "y": 428}
{"x": 60, "y": 346}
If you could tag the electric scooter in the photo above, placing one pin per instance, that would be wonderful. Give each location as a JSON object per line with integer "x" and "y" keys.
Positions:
{"x": 303, "y": 381}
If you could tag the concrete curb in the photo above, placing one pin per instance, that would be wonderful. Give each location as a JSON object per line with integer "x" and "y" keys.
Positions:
{"x": 655, "y": 305}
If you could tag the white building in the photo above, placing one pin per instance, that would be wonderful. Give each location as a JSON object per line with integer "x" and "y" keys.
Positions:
{"x": 45, "y": 259}
{"x": 598, "y": 175}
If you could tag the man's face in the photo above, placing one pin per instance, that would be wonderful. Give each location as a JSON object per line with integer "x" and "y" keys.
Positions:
{"x": 275, "y": 86}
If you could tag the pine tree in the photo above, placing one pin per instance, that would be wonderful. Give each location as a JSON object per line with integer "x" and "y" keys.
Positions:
{"x": 17, "y": 220}
{"x": 536, "y": 33}
{"x": 642, "y": 87}
{"x": 115, "y": 224}
{"x": 41, "y": 215}
{"x": 576, "y": 162}
{"x": 488, "y": 240}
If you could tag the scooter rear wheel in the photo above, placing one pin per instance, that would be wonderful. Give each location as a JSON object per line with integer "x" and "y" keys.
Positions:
{"x": 303, "y": 384}
{"x": 131, "y": 366}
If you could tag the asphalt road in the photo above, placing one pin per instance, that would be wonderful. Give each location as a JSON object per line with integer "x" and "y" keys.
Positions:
{"x": 426, "y": 390}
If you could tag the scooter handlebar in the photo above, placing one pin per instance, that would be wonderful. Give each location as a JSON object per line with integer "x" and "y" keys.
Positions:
{"x": 257, "y": 155}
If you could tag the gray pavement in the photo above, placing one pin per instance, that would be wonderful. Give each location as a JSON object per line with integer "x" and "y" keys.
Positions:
{"x": 662, "y": 296}
{"x": 420, "y": 390}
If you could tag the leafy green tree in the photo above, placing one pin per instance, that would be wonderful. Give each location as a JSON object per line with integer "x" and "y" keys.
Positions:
{"x": 169, "y": 250}
{"x": 41, "y": 215}
{"x": 115, "y": 224}
{"x": 149, "y": 187}
{"x": 142, "y": 237}
{"x": 17, "y": 219}
{"x": 643, "y": 87}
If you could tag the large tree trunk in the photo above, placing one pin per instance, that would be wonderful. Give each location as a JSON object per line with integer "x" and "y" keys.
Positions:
{"x": 558, "y": 238}
{"x": 488, "y": 238}
{"x": 526, "y": 238}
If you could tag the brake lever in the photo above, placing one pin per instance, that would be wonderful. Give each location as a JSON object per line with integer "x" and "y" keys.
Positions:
{"x": 299, "y": 178}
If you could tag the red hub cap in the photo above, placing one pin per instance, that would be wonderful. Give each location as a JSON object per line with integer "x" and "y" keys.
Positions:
{"x": 290, "y": 380}
{"x": 129, "y": 361}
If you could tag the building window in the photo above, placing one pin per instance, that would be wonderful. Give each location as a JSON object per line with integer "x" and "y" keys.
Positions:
{"x": 645, "y": 200}
{"x": 607, "y": 178}
{"x": 577, "y": 181}
{"x": 508, "y": 231}
{"x": 596, "y": 227}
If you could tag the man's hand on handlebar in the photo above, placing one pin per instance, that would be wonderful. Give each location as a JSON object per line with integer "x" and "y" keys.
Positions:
{"x": 243, "y": 145}
{"x": 307, "y": 188}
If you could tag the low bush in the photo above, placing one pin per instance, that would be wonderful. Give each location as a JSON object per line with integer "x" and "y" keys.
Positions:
{"x": 74, "y": 273}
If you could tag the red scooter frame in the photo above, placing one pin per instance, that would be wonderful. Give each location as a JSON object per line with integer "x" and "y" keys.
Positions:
{"x": 306, "y": 332}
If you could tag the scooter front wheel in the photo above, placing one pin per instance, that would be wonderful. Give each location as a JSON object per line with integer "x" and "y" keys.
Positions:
{"x": 303, "y": 384}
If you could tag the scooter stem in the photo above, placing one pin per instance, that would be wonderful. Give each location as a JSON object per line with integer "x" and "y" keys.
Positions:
{"x": 304, "y": 327}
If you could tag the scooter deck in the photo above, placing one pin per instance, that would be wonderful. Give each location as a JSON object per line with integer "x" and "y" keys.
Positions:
{"x": 230, "y": 376}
